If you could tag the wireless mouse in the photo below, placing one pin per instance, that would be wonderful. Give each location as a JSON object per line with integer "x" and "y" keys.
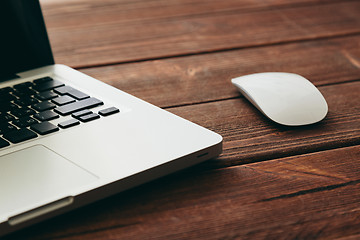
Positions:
{"x": 285, "y": 98}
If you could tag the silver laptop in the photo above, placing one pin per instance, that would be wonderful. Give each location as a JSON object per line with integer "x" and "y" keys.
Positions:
{"x": 67, "y": 139}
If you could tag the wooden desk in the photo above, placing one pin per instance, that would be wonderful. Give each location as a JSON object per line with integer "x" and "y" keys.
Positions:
{"x": 270, "y": 182}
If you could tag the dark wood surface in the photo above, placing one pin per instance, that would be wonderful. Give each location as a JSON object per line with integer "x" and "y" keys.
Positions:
{"x": 271, "y": 182}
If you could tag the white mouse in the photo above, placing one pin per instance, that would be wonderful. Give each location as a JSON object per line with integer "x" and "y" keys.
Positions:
{"x": 286, "y": 98}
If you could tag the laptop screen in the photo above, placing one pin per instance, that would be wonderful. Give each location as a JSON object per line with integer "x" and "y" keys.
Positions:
{"x": 24, "y": 43}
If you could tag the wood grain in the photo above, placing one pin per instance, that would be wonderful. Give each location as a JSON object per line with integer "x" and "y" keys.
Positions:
{"x": 82, "y": 36}
{"x": 206, "y": 77}
{"x": 300, "y": 197}
{"x": 249, "y": 136}
{"x": 271, "y": 181}
{"x": 63, "y": 13}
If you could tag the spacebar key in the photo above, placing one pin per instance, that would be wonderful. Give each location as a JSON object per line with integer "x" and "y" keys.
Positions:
{"x": 20, "y": 135}
{"x": 78, "y": 106}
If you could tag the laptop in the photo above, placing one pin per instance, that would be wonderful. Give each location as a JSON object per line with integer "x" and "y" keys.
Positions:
{"x": 67, "y": 139}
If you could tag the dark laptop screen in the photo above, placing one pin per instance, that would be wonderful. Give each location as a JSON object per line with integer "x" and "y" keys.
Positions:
{"x": 24, "y": 43}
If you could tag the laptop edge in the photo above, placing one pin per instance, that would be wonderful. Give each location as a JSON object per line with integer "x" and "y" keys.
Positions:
{"x": 140, "y": 144}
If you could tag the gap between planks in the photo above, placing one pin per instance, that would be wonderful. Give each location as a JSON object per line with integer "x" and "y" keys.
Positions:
{"x": 111, "y": 41}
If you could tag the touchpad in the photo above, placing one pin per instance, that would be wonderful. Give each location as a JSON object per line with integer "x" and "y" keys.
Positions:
{"x": 32, "y": 176}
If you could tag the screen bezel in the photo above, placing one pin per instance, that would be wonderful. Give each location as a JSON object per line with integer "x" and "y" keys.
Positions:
{"x": 23, "y": 18}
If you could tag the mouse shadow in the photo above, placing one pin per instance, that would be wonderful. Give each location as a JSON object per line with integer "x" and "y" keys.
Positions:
{"x": 284, "y": 128}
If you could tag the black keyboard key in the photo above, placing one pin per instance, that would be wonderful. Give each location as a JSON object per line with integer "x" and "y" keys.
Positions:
{"x": 108, "y": 111}
{"x": 42, "y": 106}
{"x": 48, "y": 85}
{"x": 71, "y": 92}
{"x": 25, "y": 85}
{"x": 47, "y": 95}
{"x": 81, "y": 113}
{"x": 20, "y": 135}
{"x": 78, "y": 94}
{"x": 44, "y": 128}
{"x": 89, "y": 117}
{"x": 26, "y": 101}
{"x": 46, "y": 116}
{"x": 69, "y": 123}
{"x": 63, "y": 100}
{"x": 5, "y": 117}
{"x": 7, "y": 97}
{"x": 24, "y": 122}
{"x": 6, "y": 90}
{"x": 22, "y": 112}
{"x": 6, "y": 127}
{"x": 23, "y": 93}
{"x": 42, "y": 80}
{"x": 3, "y": 143}
{"x": 8, "y": 106}
{"x": 78, "y": 106}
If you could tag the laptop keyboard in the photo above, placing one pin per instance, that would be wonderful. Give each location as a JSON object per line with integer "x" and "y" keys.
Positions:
{"x": 26, "y": 109}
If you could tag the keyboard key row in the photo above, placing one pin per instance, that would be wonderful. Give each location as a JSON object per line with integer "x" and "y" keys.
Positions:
{"x": 23, "y": 134}
{"x": 19, "y": 135}
{"x": 14, "y": 135}
{"x": 78, "y": 106}
{"x": 27, "y": 108}
{"x": 67, "y": 90}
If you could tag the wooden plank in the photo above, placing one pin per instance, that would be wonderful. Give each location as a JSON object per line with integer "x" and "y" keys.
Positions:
{"x": 82, "y": 36}
{"x": 309, "y": 196}
{"x": 249, "y": 136}
{"x": 63, "y": 13}
{"x": 203, "y": 78}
